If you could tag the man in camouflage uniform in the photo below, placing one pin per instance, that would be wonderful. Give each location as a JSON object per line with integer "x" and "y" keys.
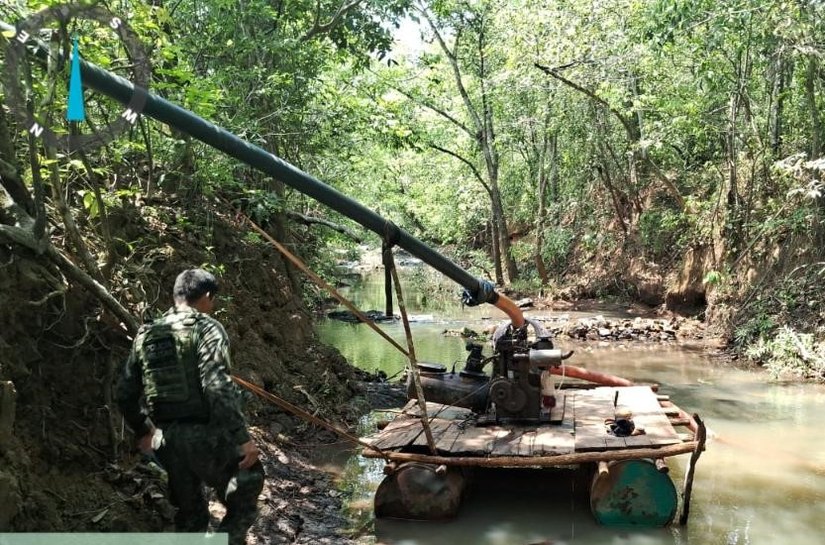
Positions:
{"x": 176, "y": 394}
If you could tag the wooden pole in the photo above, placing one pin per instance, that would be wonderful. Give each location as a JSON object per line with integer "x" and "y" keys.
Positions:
{"x": 299, "y": 412}
{"x": 538, "y": 461}
{"x": 318, "y": 280}
{"x": 701, "y": 435}
{"x": 416, "y": 378}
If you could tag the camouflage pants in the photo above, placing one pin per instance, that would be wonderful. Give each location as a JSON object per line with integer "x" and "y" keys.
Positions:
{"x": 194, "y": 454}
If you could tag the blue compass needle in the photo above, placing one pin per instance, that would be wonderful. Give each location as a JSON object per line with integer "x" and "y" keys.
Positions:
{"x": 77, "y": 110}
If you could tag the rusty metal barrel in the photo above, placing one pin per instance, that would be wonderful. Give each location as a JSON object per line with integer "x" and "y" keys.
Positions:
{"x": 633, "y": 493}
{"x": 418, "y": 491}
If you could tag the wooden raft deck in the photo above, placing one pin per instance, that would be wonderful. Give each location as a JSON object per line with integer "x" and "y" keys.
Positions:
{"x": 577, "y": 424}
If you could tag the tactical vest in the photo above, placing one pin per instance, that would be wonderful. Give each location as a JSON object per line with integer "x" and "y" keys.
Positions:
{"x": 171, "y": 375}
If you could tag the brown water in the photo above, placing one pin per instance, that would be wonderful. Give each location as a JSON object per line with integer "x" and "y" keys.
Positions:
{"x": 760, "y": 481}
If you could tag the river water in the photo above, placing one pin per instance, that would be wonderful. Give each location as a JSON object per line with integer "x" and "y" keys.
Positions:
{"x": 760, "y": 481}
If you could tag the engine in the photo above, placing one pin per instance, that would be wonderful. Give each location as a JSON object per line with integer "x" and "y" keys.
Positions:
{"x": 515, "y": 388}
{"x": 513, "y": 392}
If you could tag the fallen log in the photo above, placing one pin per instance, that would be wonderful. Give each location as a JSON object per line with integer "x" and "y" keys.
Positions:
{"x": 536, "y": 461}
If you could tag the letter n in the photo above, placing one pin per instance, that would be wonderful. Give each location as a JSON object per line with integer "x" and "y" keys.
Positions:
{"x": 36, "y": 129}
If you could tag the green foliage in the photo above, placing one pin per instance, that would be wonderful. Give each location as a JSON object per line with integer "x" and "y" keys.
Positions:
{"x": 713, "y": 278}
{"x": 558, "y": 246}
{"x": 90, "y": 203}
{"x": 662, "y": 232}
{"x": 755, "y": 329}
{"x": 643, "y": 97}
{"x": 790, "y": 352}
{"x": 528, "y": 284}
{"x": 253, "y": 238}
{"x": 261, "y": 205}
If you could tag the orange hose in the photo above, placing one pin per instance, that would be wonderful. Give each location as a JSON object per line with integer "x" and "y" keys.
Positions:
{"x": 510, "y": 308}
{"x": 591, "y": 376}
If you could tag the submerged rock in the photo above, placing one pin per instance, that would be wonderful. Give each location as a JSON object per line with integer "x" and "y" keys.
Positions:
{"x": 349, "y": 316}
{"x": 598, "y": 328}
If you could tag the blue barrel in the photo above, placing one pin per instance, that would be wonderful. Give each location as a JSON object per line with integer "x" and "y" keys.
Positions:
{"x": 633, "y": 493}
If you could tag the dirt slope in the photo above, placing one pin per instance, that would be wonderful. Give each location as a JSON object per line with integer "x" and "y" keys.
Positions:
{"x": 68, "y": 464}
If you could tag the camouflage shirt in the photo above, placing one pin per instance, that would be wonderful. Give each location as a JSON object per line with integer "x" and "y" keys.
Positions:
{"x": 222, "y": 395}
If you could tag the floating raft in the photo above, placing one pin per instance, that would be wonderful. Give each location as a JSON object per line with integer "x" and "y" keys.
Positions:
{"x": 631, "y": 486}
{"x": 575, "y": 433}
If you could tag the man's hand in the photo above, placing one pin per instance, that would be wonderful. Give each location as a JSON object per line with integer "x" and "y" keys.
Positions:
{"x": 249, "y": 451}
{"x": 145, "y": 442}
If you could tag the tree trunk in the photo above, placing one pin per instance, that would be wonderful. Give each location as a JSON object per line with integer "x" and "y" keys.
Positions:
{"x": 777, "y": 106}
{"x": 732, "y": 151}
{"x": 545, "y": 182}
{"x": 503, "y": 234}
{"x": 605, "y": 152}
{"x": 810, "y": 99}
{"x": 496, "y": 250}
{"x": 481, "y": 129}
{"x": 541, "y": 196}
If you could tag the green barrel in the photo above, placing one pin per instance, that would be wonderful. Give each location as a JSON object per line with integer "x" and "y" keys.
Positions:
{"x": 633, "y": 493}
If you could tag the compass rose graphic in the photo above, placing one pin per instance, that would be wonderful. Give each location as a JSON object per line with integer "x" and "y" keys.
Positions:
{"x": 47, "y": 46}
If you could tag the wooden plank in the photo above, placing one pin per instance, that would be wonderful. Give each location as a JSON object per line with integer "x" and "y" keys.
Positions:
{"x": 648, "y": 415}
{"x": 568, "y": 422}
{"x": 642, "y": 402}
{"x": 444, "y": 412}
{"x": 611, "y": 442}
{"x": 588, "y": 441}
{"x": 639, "y": 441}
{"x": 525, "y": 447}
{"x": 437, "y": 428}
{"x": 390, "y": 433}
{"x": 592, "y": 408}
{"x": 507, "y": 444}
{"x": 639, "y": 399}
{"x": 477, "y": 440}
{"x": 552, "y": 440}
{"x": 448, "y": 438}
{"x": 400, "y": 436}
{"x": 406, "y": 429}
{"x": 580, "y": 416}
{"x": 557, "y": 412}
{"x": 558, "y": 439}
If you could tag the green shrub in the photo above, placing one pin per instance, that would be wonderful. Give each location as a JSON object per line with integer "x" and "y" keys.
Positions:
{"x": 662, "y": 231}
{"x": 558, "y": 245}
{"x": 789, "y": 352}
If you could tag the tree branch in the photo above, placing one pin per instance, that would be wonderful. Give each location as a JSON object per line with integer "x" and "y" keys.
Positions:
{"x": 310, "y": 220}
{"x": 467, "y": 162}
{"x": 14, "y": 186}
{"x": 632, "y": 131}
{"x": 24, "y": 237}
{"x": 321, "y": 28}
{"x": 456, "y": 73}
{"x": 98, "y": 290}
{"x": 439, "y": 111}
{"x": 667, "y": 182}
{"x": 40, "y": 218}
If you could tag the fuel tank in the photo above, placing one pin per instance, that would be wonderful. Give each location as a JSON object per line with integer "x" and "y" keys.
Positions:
{"x": 466, "y": 389}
